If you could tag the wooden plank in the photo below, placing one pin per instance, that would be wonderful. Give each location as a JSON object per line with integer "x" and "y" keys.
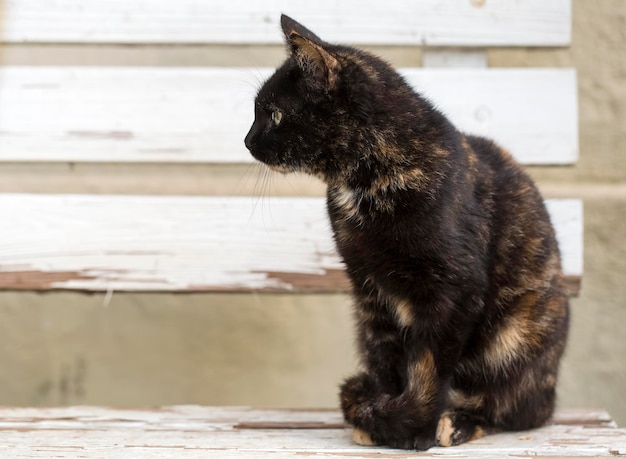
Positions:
{"x": 217, "y": 432}
{"x": 567, "y": 218}
{"x": 515, "y": 107}
{"x": 399, "y": 22}
{"x": 202, "y": 115}
{"x": 176, "y": 243}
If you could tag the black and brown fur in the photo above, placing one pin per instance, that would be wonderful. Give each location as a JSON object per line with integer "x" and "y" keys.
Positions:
{"x": 461, "y": 307}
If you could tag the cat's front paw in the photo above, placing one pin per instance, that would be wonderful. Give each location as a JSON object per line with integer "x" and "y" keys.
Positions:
{"x": 417, "y": 441}
{"x": 422, "y": 443}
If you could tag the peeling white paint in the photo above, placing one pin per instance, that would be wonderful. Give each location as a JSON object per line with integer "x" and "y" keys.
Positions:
{"x": 185, "y": 243}
{"x": 237, "y": 432}
{"x": 165, "y": 243}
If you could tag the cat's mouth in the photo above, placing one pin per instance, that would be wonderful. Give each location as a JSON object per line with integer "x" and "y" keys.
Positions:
{"x": 278, "y": 164}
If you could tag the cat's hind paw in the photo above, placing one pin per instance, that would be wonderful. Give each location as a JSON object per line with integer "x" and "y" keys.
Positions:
{"x": 456, "y": 428}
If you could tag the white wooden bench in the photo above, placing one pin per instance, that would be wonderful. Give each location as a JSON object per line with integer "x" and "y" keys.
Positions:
{"x": 80, "y": 114}
{"x": 233, "y": 432}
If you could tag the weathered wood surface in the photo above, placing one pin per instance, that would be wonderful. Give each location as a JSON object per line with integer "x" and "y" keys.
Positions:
{"x": 183, "y": 243}
{"x": 117, "y": 114}
{"x": 204, "y": 432}
{"x": 396, "y": 22}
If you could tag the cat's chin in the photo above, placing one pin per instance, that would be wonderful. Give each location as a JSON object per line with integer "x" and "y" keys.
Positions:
{"x": 279, "y": 168}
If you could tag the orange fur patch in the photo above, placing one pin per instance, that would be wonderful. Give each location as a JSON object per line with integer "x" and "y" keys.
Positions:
{"x": 445, "y": 431}
{"x": 360, "y": 437}
{"x": 422, "y": 379}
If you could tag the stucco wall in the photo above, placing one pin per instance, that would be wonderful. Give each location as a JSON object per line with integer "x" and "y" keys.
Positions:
{"x": 277, "y": 350}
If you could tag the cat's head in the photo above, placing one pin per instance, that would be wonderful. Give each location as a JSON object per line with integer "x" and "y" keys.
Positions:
{"x": 315, "y": 113}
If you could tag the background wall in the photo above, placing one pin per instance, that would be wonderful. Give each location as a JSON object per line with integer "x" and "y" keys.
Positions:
{"x": 272, "y": 350}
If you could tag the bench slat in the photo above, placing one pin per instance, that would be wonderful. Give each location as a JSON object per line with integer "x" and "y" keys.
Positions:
{"x": 432, "y": 22}
{"x": 202, "y": 115}
{"x": 170, "y": 243}
{"x": 220, "y": 432}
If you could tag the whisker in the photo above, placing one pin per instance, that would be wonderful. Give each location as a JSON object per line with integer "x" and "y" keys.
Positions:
{"x": 255, "y": 192}
{"x": 244, "y": 179}
{"x": 263, "y": 194}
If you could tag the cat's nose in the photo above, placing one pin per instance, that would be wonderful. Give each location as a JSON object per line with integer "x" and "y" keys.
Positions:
{"x": 248, "y": 139}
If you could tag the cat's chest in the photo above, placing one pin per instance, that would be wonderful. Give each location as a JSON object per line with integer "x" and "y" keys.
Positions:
{"x": 362, "y": 237}
{"x": 396, "y": 247}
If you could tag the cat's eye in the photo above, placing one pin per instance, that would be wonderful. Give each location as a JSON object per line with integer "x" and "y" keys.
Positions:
{"x": 277, "y": 117}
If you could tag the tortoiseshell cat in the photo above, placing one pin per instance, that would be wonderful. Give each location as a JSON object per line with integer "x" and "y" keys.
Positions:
{"x": 460, "y": 301}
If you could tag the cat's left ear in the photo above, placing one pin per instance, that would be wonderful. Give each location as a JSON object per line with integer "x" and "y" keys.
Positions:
{"x": 320, "y": 67}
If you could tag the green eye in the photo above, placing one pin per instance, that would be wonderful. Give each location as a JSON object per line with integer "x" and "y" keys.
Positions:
{"x": 277, "y": 117}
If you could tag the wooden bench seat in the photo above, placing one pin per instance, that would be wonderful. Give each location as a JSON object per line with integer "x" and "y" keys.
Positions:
{"x": 231, "y": 432}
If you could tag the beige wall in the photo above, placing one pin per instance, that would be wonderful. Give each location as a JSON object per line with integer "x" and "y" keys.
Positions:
{"x": 275, "y": 350}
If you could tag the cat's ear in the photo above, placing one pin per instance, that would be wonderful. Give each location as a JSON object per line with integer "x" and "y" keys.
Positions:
{"x": 320, "y": 67}
{"x": 290, "y": 26}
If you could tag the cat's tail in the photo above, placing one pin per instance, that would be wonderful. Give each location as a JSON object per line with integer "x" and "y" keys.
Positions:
{"x": 384, "y": 419}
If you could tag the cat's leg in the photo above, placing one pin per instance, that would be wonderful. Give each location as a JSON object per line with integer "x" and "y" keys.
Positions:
{"x": 511, "y": 383}
{"x": 523, "y": 360}
{"x": 516, "y": 395}
{"x": 400, "y": 397}
{"x": 381, "y": 347}
{"x": 382, "y": 354}
{"x": 528, "y": 402}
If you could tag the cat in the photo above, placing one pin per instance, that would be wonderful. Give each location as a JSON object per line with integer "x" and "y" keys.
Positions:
{"x": 460, "y": 303}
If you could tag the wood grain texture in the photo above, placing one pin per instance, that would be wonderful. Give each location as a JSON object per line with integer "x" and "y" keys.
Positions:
{"x": 176, "y": 243}
{"x": 397, "y": 22}
{"x": 202, "y": 115}
{"x": 215, "y": 432}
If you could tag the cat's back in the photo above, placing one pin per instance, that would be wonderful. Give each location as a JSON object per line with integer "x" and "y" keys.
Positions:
{"x": 524, "y": 256}
{"x": 515, "y": 202}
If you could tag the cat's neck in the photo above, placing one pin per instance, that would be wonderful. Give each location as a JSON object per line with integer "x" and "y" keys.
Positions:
{"x": 385, "y": 168}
